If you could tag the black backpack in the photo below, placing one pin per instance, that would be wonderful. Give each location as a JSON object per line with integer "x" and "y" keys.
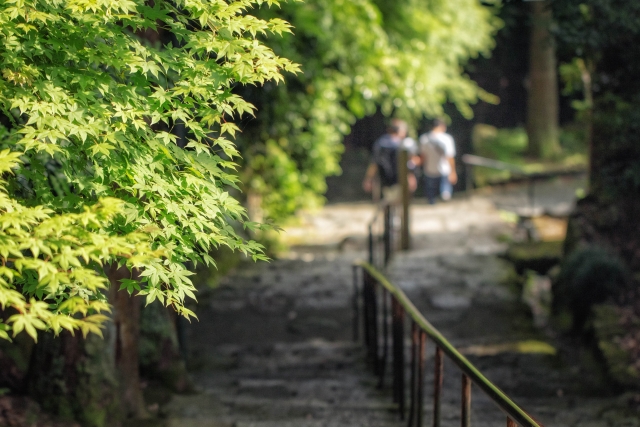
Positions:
{"x": 387, "y": 160}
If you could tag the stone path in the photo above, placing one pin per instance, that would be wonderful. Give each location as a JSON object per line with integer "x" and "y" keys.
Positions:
{"x": 273, "y": 344}
{"x": 272, "y": 348}
{"x": 554, "y": 196}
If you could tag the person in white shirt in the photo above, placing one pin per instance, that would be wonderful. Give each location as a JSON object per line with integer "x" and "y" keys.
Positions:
{"x": 437, "y": 152}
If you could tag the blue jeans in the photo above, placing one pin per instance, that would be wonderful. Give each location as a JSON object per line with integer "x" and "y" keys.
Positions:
{"x": 437, "y": 185}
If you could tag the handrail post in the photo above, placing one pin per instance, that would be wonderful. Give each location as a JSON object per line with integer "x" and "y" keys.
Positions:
{"x": 437, "y": 385}
{"x": 420, "y": 392}
{"x": 465, "y": 411}
{"x": 398, "y": 355}
{"x": 366, "y": 309}
{"x": 468, "y": 177}
{"x": 387, "y": 233}
{"x": 418, "y": 344}
{"x": 414, "y": 363}
{"x": 373, "y": 321}
{"x": 385, "y": 337}
{"x": 403, "y": 177}
{"x": 371, "y": 260}
{"x": 355, "y": 320}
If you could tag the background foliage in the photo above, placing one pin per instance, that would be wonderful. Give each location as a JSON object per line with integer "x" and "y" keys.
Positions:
{"x": 605, "y": 35}
{"x": 405, "y": 57}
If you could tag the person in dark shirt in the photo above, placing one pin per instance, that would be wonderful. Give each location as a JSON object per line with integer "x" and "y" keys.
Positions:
{"x": 384, "y": 161}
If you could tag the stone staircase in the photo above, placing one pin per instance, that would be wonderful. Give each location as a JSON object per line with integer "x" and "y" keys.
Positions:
{"x": 306, "y": 384}
{"x": 273, "y": 347}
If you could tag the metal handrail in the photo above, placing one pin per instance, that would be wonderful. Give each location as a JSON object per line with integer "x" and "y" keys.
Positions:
{"x": 421, "y": 328}
{"x": 385, "y": 208}
{"x": 471, "y": 159}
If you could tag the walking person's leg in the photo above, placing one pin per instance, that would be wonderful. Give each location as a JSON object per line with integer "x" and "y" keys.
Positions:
{"x": 431, "y": 188}
{"x": 446, "y": 189}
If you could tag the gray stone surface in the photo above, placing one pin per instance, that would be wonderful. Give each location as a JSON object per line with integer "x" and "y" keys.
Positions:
{"x": 273, "y": 343}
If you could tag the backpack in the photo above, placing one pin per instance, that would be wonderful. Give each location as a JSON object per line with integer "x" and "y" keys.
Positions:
{"x": 386, "y": 158}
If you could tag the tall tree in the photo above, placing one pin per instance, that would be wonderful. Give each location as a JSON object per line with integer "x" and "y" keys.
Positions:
{"x": 606, "y": 35}
{"x": 543, "y": 98}
{"x": 94, "y": 176}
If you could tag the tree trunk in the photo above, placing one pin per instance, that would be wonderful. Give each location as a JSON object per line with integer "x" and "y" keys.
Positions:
{"x": 126, "y": 321}
{"x": 94, "y": 380}
{"x": 14, "y": 360}
{"x": 606, "y": 220}
{"x": 586, "y": 69}
{"x": 75, "y": 378}
{"x": 97, "y": 381}
{"x": 160, "y": 350}
{"x": 542, "y": 103}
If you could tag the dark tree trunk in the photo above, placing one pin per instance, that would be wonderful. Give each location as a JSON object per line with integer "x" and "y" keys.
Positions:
{"x": 586, "y": 71}
{"x": 97, "y": 381}
{"x": 161, "y": 357}
{"x": 75, "y": 378}
{"x": 606, "y": 220}
{"x": 14, "y": 362}
{"x": 543, "y": 98}
{"x": 126, "y": 322}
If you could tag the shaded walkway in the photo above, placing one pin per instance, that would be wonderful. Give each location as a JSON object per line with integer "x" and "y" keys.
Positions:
{"x": 273, "y": 348}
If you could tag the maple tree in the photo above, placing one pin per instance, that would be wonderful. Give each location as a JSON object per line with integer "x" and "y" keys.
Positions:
{"x": 94, "y": 173}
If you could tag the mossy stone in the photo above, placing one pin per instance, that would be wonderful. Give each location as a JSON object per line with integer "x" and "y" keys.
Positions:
{"x": 608, "y": 332}
{"x": 537, "y": 256}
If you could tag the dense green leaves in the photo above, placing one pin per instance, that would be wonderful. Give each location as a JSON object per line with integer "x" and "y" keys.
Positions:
{"x": 91, "y": 108}
{"x": 405, "y": 56}
{"x": 46, "y": 275}
{"x": 604, "y": 35}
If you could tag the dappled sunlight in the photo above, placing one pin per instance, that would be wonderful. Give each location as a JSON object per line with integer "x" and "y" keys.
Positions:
{"x": 525, "y": 347}
{"x": 208, "y": 207}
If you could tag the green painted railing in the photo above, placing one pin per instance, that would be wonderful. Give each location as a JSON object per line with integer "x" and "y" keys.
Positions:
{"x": 401, "y": 306}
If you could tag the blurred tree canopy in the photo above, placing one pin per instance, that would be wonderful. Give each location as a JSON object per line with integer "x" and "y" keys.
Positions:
{"x": 406, "y": 57}
{"x": 93, "y": 172}
{"x": 603, "y": 38}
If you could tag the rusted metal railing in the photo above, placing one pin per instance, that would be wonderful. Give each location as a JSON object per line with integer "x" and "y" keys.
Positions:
{"x": 384, "y": 304}
{"x": 382, "y": 242}
{"x": 382, "y": 234}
